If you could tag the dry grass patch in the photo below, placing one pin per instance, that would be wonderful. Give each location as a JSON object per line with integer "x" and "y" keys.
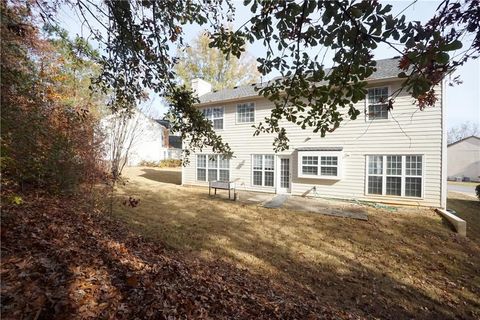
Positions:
{"x": 405, "y": 263}
{"x": 467, "y": 208}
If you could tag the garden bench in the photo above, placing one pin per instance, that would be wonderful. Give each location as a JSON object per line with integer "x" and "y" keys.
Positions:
{"x": 222, "y": 185}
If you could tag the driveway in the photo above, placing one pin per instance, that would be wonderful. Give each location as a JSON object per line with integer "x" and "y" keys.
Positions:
{"x": 467, "y": 188}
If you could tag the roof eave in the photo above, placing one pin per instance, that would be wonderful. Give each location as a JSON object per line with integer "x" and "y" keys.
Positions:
{"x": 208, "y": 103}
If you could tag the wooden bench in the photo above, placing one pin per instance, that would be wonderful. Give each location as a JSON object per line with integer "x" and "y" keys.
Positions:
{"x": 222, "y": 185}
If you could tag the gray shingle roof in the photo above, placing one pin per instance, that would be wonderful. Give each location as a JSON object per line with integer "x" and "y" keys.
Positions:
{"x": 386, "y": 68}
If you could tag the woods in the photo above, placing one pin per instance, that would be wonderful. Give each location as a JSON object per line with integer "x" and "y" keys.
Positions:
{"x": 49, "y": 115}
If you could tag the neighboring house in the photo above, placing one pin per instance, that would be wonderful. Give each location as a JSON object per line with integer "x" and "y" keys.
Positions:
{"x": 174, "y": 145}
{"x": 148, "y": 138}
{"x": 393, "y": 157}
{"x": 464, "y": 159}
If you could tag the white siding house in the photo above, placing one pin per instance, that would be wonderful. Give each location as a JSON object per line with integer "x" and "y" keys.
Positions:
{"x": 464, "y": 159}
{"x": 392, "y": 157}
{"x": 148, "y": 138}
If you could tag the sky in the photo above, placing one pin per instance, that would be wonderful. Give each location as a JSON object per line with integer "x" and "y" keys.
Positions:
{"x": 462, "y": 101}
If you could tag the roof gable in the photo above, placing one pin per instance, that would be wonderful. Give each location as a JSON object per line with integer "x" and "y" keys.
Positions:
{"x": 464, "y": 139}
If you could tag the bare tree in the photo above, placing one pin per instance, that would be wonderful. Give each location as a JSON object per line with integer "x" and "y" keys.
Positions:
{"x": 462, "y": 131}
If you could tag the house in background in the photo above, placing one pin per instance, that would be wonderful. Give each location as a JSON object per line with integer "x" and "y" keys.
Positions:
{"x": 149, "y": 139}
{"x": 396, "y": 156}
{"x": 174, "y": 143}
{"x": 464, "y": 159}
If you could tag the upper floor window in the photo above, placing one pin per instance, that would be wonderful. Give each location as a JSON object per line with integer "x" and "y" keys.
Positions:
{"x": 377, "y": 103}
{"x": 245, "y": 113}
{"x": 215, "y": 115}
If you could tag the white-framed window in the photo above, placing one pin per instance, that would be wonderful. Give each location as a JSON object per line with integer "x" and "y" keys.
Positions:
{"x": 319, "y": 165}
{"x": 263, "y": 170}
{"x": 212, "y": 167}
{"x": 377, "y": 103}
{"x": 215, "y": 115}
{"x": 245, "y": 113}
{"x": 395, "y": 175}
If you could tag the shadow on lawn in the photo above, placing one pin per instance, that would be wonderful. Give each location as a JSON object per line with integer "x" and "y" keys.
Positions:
{"x": 467, "y": 208}
{"x": 164, "y": 176}
{"x": 395, "y": 266}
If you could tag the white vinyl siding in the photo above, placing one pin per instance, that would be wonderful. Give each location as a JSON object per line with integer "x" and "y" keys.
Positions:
{"x": 212, "y": 166}
{"x": 263, "y": 170}
{"x": 246, "y": 113}
{"x": 395, "y": 175}
{"x": 416, "y": 133}
{"x": 377, "y": 103}
{"x": 215, "y": 115}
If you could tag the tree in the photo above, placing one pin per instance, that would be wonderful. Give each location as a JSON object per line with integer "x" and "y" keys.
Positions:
{"x": 208, "y": 63}
{"x": 48, "y": 138}
{"x": 462, "y": 131}
{"x": 137, "y": 37}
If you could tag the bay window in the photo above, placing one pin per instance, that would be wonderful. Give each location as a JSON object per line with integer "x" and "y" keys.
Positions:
{"x": 212, "y": 167}
{"x": 319, "y": 165}
{"x": 395, "y": 175}
{"x": 263, "y": 170}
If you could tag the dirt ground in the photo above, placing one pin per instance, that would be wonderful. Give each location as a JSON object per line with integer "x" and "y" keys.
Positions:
{"x": 406, "y": 263}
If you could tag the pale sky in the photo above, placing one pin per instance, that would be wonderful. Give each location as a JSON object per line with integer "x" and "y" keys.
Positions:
{"x": 462, "y": 101}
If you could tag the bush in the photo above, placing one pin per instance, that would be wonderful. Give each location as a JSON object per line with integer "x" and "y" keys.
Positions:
{"x": 477, "y": 191}
{"x": 168, "y": 163}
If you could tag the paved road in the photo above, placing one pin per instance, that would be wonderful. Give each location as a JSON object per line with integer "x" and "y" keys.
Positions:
{"x": 470, "y": 190}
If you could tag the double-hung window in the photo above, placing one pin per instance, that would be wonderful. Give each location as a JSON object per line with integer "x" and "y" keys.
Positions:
{"x": 395, "y": 175}
{"x": 245, "y": 113}
{"x": 324, "y": 165}
{"x": 263, "y": 170}
{"x": 212, "y": 167}
{"x": 215, "y": 115}
{"x": 377, "y": 101}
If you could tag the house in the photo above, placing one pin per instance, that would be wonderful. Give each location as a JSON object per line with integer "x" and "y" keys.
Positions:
{"x": 148, "y": 139}
{"x": 394, "y": 157}
{"x": 174, "y": 143}
{"x": 464, "y": 159}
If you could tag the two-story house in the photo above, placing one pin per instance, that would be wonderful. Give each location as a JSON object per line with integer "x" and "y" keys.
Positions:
{"x": 392, "y": 156}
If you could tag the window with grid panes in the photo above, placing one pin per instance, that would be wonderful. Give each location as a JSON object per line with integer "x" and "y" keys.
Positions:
{"x": 377, "y": 103}
{"x": 319, "y": 165}
{"x": 245, "y": 113}
{"x": 395, "y": 175}
{"x": 215, "y": 115}
{"x": 310, "y": 165}
{"x": 212, "y": 167}
{"x": 263, "y": 170}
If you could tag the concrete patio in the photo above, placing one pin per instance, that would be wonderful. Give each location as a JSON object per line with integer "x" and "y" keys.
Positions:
{"x": 323, "y": 206}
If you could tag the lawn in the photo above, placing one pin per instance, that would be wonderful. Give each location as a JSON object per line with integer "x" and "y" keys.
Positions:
{"x": 406, "y": 263}
{"x": 464, "y": 183}
{"x": 467, "y": 208}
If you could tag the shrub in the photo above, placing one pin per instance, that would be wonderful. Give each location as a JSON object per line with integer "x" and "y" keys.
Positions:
{"x": 477, "y": 191}
{"x": 168, "y": 163}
